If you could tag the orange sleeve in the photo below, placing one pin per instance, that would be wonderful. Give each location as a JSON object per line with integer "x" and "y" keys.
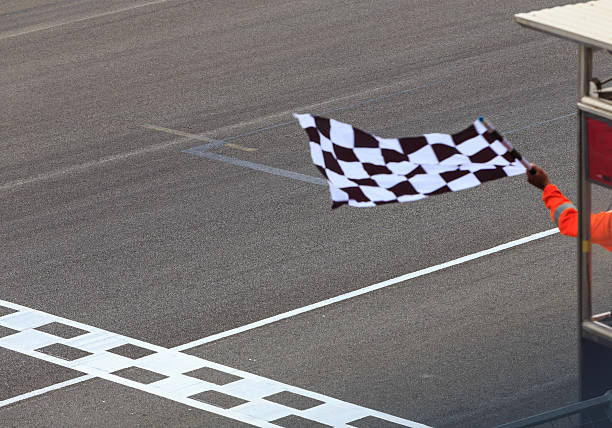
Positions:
{"x": 601, "y": 223}
{"x": 553, "y": 199}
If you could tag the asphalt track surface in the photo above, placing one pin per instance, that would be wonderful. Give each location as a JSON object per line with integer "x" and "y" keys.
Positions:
{"x": 109, "y": 221}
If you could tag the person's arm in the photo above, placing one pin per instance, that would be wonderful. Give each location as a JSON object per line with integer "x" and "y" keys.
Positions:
{"x": 567, "y": 219}
{"x": 564, "y": 213}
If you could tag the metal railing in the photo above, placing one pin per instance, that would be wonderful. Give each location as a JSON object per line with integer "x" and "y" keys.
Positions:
{"x": 593, "y": 413}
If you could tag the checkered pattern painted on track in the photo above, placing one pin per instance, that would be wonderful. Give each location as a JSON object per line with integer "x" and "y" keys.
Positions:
{"x": 174, "y": 375}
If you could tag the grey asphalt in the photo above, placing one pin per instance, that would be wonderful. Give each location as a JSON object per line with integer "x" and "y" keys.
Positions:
{"x": 109, "y": 223}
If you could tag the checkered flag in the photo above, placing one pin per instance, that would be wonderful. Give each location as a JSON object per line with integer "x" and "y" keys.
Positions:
{"x": 364, "y": 170}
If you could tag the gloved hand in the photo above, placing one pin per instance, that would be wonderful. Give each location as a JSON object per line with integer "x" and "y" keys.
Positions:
{"x": 539, "y": 179}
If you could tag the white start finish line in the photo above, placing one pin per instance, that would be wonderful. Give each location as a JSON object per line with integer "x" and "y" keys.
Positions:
{"x": 368, "y": 289}
{"x": 171, "y": 374}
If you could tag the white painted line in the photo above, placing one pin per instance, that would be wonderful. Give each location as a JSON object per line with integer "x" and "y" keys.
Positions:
{"x": 343, "y": 108}
{"x": 41, "y": 27}
{"x": 45, "y": 390}
{"x": 544, "y": 122}
{"x": 95, "y": 163}
{"x": 204, "y": 136}
{"x": 259, "y": 167}
{"x": 217, "y": 143}
{"x": 200, "y": 137}
{"x": 172, "y": 368}
{"x": 286, "y": 116}
{"x": 365, "y": 290}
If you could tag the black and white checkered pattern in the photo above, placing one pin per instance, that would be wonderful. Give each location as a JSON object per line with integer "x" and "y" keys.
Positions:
{"x": 364, "y": 170}
{"x": 174, "y": 375}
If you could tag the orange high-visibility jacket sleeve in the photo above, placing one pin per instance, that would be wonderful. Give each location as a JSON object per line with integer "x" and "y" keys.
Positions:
{"x": 565, "y": 215}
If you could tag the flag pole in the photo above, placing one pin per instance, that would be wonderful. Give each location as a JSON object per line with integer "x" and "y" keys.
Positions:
{"x": 513, "y": 152}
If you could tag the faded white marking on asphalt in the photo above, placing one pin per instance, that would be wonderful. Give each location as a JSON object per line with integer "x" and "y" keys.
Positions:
{"x": 42, "y": 27}
{"x": 346, "y": 107}
{"x": 544, "y": 122}
{"x": 202, "y": 151}
{"x": 41, "y": 391}
{"x": 212, "y": 143}
{"x": 200, "y": 137}
{"x": 171, "y": 367}
{"x": 287, "y": 115}
{"x": 258, "y": 167}
{"x": 365, "y": 290}
{"x": 11, "y": 185}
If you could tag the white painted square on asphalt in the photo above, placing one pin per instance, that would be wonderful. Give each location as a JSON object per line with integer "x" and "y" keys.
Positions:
{"x": 105, "y": 362}
{"x": 262, "y": 409}
{"x": 252, "y": 388}
{"x": 182, "y": 385}
{"x": 28, "y": 340}
{"x": 23, "y": 320}
{"x": 334, "y": 414}
{"x": 170, "y": 363}
{"x": 96, "y": 341}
